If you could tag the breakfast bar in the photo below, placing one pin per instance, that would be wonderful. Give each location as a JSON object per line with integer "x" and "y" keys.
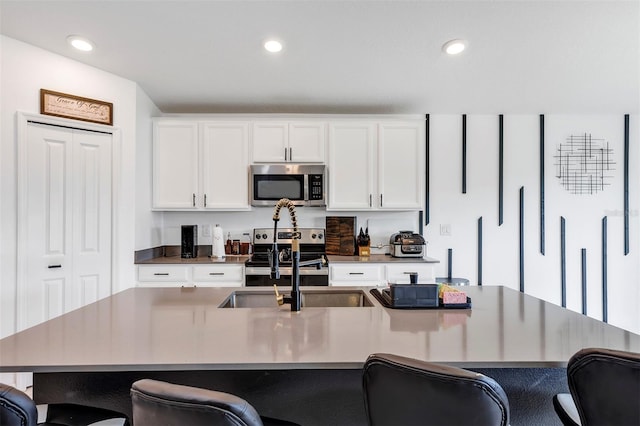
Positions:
{"x": 304, "y": 365}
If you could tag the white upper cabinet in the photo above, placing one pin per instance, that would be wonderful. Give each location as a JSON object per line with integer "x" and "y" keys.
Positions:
{"x": 225, "y": 165}
{"x": 288, "y": 141}
{"x": 200, "y": 165}
{"x": 401, "y": 165}
{"x": 175, "y": 165}
{"x": 376, "y": 166}
{"x": 351, "y": 165}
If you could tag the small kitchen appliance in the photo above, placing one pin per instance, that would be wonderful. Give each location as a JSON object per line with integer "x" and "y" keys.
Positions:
{"x": 303, "y": 184}
{"x": 312, "y": 246}
{"x": 406, "y": 244}
{"x": 189, "y": 246}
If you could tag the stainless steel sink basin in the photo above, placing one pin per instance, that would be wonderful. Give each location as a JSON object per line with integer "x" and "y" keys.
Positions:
{"x": 310, "y": 298}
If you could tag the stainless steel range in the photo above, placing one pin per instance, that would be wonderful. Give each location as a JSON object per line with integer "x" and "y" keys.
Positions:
{"x": 312, "y": 246}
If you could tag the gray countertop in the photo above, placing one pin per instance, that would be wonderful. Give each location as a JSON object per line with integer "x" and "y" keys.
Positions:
{"x": 240, "y": 259}
{"x": 177, "y": 260}
{"x": 379, "y": 258}
{"x": 183, "y": 329}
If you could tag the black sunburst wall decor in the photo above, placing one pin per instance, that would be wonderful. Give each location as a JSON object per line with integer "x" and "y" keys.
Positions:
{"x": 584, "y": 164}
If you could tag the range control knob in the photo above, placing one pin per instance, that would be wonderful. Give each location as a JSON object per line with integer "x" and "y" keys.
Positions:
{"x": 258, "y": 236}
{"x": 313, "y": 236}
{"x": 320, "y": 236}
{"x": 264, "y": 236}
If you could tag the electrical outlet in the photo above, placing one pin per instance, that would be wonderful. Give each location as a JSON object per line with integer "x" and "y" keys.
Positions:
{"x": 445, "y": 229}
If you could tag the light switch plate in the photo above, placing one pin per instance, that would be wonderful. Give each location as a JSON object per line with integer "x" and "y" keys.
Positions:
{"x": 445, "y": 229}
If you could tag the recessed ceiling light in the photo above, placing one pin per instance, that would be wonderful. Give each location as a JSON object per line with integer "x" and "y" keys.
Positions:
{"x": 273, "y": 46}
{"x": 453, "y": 47}
{"x": 80, "y": 43}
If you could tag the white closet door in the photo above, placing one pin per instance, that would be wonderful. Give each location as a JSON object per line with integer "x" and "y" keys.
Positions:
{"x": 91, "y": 230}
{"x": 67, "y": 192}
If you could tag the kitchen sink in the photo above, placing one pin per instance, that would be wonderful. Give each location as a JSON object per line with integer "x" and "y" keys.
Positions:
{"x": 310, "y": 299}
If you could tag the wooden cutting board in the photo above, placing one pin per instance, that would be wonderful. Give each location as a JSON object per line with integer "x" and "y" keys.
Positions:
{"x": 340, "y": 235}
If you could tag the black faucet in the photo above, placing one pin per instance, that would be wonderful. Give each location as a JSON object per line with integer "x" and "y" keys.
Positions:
{"x": 295, "y": 298}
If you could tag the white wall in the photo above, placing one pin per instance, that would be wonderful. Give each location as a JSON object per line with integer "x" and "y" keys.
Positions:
{"x": 24, "y": 70}
{"x": 148, "y": 224}
{"x": 583, "y": 213}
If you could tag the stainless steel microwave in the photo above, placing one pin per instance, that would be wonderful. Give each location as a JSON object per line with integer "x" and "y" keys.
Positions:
{"x": 304, "y": 184}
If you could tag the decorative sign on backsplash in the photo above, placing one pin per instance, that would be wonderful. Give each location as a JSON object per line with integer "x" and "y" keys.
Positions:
{"x": 76, "y": 107}
{"x": 584, "y": 164}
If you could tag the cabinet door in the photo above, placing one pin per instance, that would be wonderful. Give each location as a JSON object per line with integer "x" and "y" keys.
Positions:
{"x": 174, "y": 274}
{"x": 350, "y": 169}
{"x": 398, "y": 273}
{"x": 306, "y": 142}
{"x": 355, "y": 274}
{"x": 218, "y": 275}
{"x": 401, "y": 165}
{"x": 270, "y": 142}
{"x": 175, "y": 165}
{"x": 225, "y": 165}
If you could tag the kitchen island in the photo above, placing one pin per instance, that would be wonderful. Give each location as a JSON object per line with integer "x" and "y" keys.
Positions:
{"x": 303, "y": 366}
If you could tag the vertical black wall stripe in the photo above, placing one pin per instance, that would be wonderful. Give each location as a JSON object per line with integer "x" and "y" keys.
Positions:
{"x": 449, "y": 266}
{"x": 542, "y": 226}
{"x": 583, "y": 259}
{"x": 563, "y": 263}
{"x": 605, "y": 314}
{"x": 522, "y": 239}
{"x": 420, "y": 221}
{"x": 464, "y": 153}
{"x": 426, "y": 137}
{"x": 626, "y": 184}
{"x": 480, "y": 250}
{"x": 500, "y": 168}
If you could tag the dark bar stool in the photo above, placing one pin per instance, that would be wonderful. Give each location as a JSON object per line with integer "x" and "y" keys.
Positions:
{"x": 156, "y": 402}
{"x": 406, "y": 391}
{"x": 604, "y": 386}
{"x": 17, "y": 409}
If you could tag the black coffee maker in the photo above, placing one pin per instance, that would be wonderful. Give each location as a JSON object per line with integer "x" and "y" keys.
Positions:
{"x": 189, "y": 246}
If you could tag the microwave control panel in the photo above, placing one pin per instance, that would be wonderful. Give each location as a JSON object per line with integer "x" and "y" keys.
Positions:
{"x": 315, "y": 187}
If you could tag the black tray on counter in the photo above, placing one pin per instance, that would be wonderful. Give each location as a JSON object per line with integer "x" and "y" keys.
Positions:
{"x": 385, "y": 299}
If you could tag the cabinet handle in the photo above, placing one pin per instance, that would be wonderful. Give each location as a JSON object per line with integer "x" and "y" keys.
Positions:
{"x": 370, "y": 204}
{"x": 160, "y": 273}
{"x": 290, "y": 154}
{"x": 285, "y": 154}
{"x": 380, "y": 200}
{"x": 54, "y": 266}
{"x": 410, "y": 272}
{"x": 356, "y": 273}
{"x": 216, "y": 273}
{"x": 194, "y": 200}
{"x": 205, "y": 200}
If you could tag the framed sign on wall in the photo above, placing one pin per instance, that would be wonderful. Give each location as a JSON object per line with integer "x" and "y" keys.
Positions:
{"x": 75, "y": 107}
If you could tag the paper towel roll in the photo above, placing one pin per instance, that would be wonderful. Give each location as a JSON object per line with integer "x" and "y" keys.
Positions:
{"x": 217, "y": 248}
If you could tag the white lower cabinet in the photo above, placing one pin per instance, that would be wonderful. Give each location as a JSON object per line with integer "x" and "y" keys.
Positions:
{"x": 399, "y": 273}
{"x": 190, "y": 275}
{"x": 218, "y": 275}
{"x": 358, "y": 274}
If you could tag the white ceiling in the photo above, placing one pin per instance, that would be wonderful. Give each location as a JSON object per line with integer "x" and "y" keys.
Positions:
{"x": 354, "y": 56}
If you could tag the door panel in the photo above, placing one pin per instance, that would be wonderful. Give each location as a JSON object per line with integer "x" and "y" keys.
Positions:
{"x": 67, "y": 211}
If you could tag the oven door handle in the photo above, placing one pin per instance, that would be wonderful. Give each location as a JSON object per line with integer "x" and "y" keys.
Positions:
{"x": 252, "y": 270}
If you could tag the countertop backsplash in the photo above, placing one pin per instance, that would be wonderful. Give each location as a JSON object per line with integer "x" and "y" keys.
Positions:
{"x": 381, "y": 224}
